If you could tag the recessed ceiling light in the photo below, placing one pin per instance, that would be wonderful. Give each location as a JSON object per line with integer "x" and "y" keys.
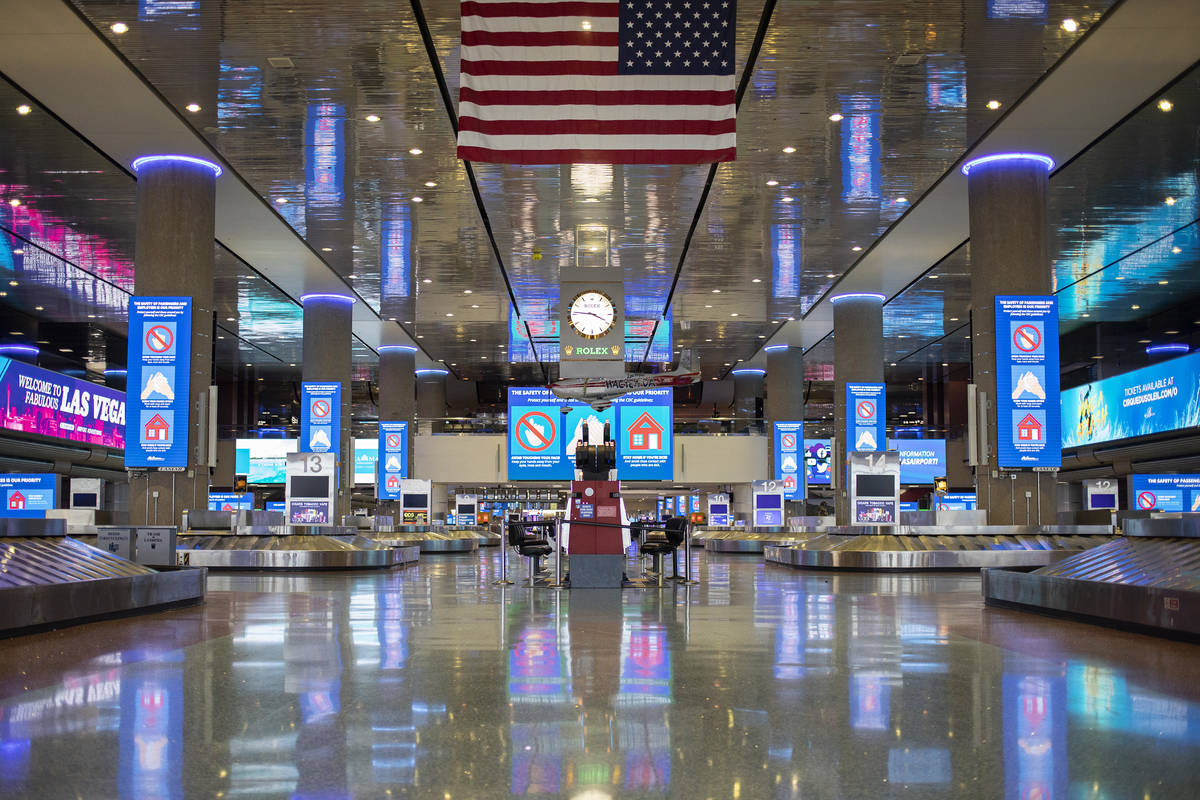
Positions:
{"x": 1069, "y": 25}
{"x": 708, "y": 340}
{"x": 449, "y": 314}
{"x": 933, "y": 277}
{"x": 1165, "y": 105}
{"x": 20, "y": 251}
{"x": 430, "y": 184}
{"x": 420, "y": 336}
{"x": 1176, "y": 250}
{"x": 427, "y": 280}
{"x": 91, "y": 316}
{"x": 830, "y": 275}
{"x": 483, "y": 358}
{"x": 836, "y": 117}
{"x": 787, "y": 199}
{"x": 902, "y": 200}
{"x": 475, "y": 305}
{"x": 1143, "y": 341}
{"x": 734, "y": 314}
{"x": 761, "y": 336}
{"x": 993, "y": 104}
{"x": 1162, "y": 283}
{"x": 756, "y": 280}
{"x": 24, "y": 110}
{"x": 1135, "y": 306}
{"x": 772, "y": 182}
{"x": 791, "y": 319}
{"x": 65, "y": 350}
{"x": 1097, "y": 357}
{"x": 280, "y": 200}
{"x": 775, "y": 321}
{"x": 118, "y": 28}
{"x": 326, "y": 249}
{"x": 372, "y": 118}
{"x": 193, "y": 107}
{"x": 1170, "y": 201}
{"x": 856, "y": 248}
{"x": 466, "y": 291}
{"x": 416, "y": 151}
{"x": 231, "y": 319}
{"x": 1171, "y": 333}
{"x": 716, "y": 291}
{"x": 1085, "y": 314}
{"x": 39, "y": 308}
{"x": 418, "y": 199}
{"x": 1120, "y": 277}
{"x": 13, "y": 283}
{"x": 14, "y": 202}
{"x": 789, "y": 149}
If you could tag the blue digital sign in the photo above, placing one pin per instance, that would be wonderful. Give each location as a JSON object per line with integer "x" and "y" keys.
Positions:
{"x": 320, "y": 417}
{"x": 159, "y": 369}
{"x": 789, "y": 458}
{"x": 392, "y": 460}
{"x": 817, "y": 455}
{"x": 1156, "y": 399}
{"x": 276, "y": 505}
{"x": 861, "y": 149}
{"x": 866, "y": 417}
{"x": 325, "y": 152}
{"x": 230, "y": 501}
{"x": 921, "y": 460}
{"x": 1164, "y": 492}
{"x": 542, "y": 439}
{"x": 1027, "y": 416}
{"x": 28, "y": 495}
{"x": 961, "y": 501}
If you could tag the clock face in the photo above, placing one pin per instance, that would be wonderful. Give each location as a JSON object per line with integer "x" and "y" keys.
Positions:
{"x": 591, "y": 314}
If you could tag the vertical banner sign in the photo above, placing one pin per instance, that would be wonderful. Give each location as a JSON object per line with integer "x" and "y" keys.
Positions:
{"x": 1028, "y": 410}
{"x": 392, "y": 464}
{"x": 866, "y": 419}
{"x": 320, "y": 417}
{"x": 789, "y": 458}
{"x": 157, "y": 398}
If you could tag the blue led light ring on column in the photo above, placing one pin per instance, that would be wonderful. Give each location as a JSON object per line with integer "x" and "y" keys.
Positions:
{"x": 148, "y": 161}
{"x": 997, "y": 158}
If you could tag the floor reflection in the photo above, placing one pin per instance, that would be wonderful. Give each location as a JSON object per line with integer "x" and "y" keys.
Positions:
{"x": 759, "y": 683}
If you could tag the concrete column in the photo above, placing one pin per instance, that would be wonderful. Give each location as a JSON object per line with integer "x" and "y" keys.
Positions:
{"x": 173, "y": 256}
{"x": 328, "y": 327}
{"x": 1009, "y": 255}
{"x": 431, "y": 397}
{"x": 857, "y": 358}
{"x": 747, "y": 389}
{"x": 397, "y": 389}
{"x": 785, "y": 390}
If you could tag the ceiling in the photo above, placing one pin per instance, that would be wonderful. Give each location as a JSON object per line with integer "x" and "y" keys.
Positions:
{"x": 333, "y": 117}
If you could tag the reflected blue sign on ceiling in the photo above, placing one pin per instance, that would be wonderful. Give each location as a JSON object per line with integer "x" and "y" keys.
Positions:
{"x": 396, "y": 255}
{"x": 325, "y": 150}
{"x": 786, "y": 259}
{"x": 1156, "y": 399}
{"x": 860, "y": 148}
{"x": 1017, "y": 9}
{"x": 945, "y": 86}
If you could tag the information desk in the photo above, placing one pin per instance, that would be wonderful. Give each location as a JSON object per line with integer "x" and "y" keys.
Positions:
{"x": 942, "y": 547}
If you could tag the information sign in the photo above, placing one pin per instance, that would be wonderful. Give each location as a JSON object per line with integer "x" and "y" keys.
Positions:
{"x": 542, "y": 439}
{"x": 817, "y": 454}
{"x": 1165, "y": 492}
{"x": 718, "y": 509}
{"x": 874, "y": 488}
{"x": 392, "y": 462}
{"x": 1159, "y": 398}
{"x": 230, "y": 501}
{"x": 28, "y": 495}
{"x": 866, "y": 417}
{"x": 36, "y": 400}
{"x": 320, "y": 417}
{"x": 921, "y": 460}
{"x": 311, "y": 485}
{"x": 768, "y": 503}
{"x": 158, "y": 378}
{"x": 790, "y": 458}
{"x": 955, "y": 501}
{"x": 1027, "y": 395}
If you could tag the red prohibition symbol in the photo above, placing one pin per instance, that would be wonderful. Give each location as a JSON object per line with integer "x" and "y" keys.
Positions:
{"x": 1147, "y": 500}
{"x": 159, "y": 339}
{"x": 530, "y": 436}
{"x": 320, "y": 409}
{"x": 1027, "y": 338}
{"x": 866, "y": 409}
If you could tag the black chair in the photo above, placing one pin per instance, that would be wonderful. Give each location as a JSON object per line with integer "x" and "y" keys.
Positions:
{"x": 656, "y": 544}
{"x": 532, "y": 541}
{"x": 676, "y": 535}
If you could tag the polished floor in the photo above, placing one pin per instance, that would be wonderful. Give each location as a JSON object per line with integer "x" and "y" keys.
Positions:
{"x": 761, "y": 682}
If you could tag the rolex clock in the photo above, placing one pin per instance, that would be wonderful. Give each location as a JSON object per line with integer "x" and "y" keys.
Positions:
{"x": 591, "y": 314}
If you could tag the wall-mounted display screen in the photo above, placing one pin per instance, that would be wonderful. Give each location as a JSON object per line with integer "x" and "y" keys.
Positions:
{"x": 36, "y": 400}
{"x": 1156, "y": 399}
{"x": 921, "y": 460}
{"x": 263, "y": 460}
{"x": 769, "y": 501}
{"x": 310, "y": 485}
{"x": 542, "y": 439}
{"x": 817, "y": 454}
{"x": 875, "y": 485}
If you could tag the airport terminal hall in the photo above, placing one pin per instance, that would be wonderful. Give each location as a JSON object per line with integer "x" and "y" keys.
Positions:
{"x": 600, "y": 399}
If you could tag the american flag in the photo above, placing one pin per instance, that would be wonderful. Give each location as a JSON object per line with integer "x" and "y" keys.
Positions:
{"x": 602, "y": 81}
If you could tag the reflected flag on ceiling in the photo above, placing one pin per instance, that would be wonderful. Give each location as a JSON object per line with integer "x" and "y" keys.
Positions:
{"x": 603, "y": 81}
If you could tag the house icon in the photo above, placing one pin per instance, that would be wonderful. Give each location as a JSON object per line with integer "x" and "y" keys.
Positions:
{"x": 16, "y": 502}
{"x": 1029, "y": 429}
{"x": 645, "y": 433}
{"x": 157, "y": 429}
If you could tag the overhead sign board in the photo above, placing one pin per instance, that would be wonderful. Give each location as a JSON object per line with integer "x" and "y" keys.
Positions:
{"x": 1027, "y": 394}
{"x": 817, "y": 454}
{"x": 320, "y": 417}
{"x": 1159, "y": 398}
{"x": 1164, "y": 492}
{"x": 392, "y": 462}
{"x": 158, "y": 379}
{"x": 28, "y": 495}
{"x": 718, "y": 509}
{"x": 542, "y": 439}
{"x": 311, "y": 485}
{"x": 789, "y": 458}
{"x": 36, "y": 400}
{"x": 767, "y": 503}
{"x": 921, "y": 460}
{"x": 866, "y": 417}
{"x": 874, "y": 488}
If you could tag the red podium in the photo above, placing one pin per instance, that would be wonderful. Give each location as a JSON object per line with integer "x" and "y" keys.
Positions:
{"x": 595, "y": 501}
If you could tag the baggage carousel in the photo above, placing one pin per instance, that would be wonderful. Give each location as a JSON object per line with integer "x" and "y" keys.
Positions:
{"x": 749, "y": 540}
{"x": 1149, "y": 579}
{"x": 49, "y": 580}
{"x": 291, "y": 552}
{"x": 434, "y": 538}
{"x": 938, "y": 547}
